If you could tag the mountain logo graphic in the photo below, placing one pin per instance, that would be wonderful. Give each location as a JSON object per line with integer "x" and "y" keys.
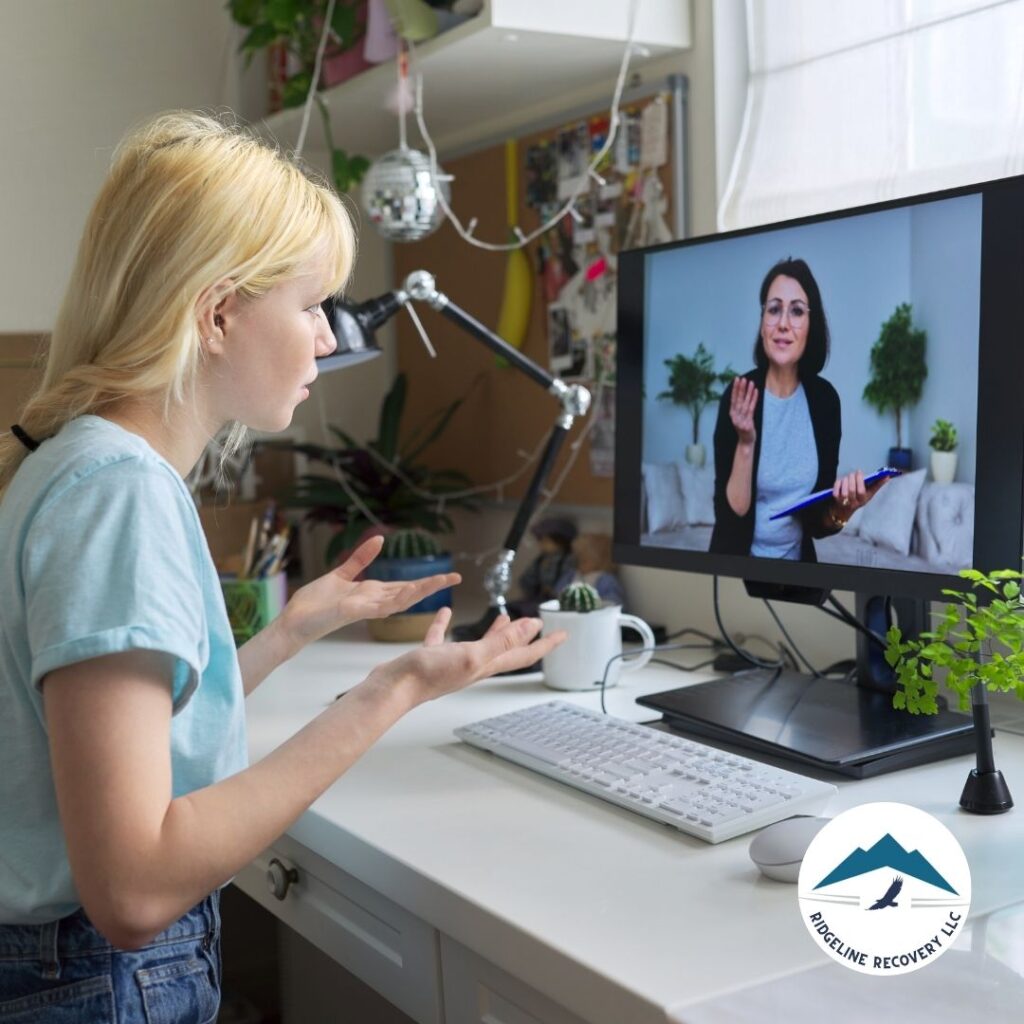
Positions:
{"x": 886, "y": 853}
{"x": 884, "y": 888}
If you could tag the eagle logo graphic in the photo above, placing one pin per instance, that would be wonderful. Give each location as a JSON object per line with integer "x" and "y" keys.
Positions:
{"x": 889, "y": 899}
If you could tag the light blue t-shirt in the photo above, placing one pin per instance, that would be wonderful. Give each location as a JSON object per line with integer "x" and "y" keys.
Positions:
{"x": 786, "y": 472}
{"x": 101, "y": 550}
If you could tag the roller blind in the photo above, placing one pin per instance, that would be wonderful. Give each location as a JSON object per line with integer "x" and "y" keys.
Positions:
{"x": 855, "y": 102}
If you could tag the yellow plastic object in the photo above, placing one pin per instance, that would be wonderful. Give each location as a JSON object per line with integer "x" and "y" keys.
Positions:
{"x": 514, "y": 318}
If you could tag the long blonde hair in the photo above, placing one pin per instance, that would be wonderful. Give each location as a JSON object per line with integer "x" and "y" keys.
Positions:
{"x": 190, "y": 199}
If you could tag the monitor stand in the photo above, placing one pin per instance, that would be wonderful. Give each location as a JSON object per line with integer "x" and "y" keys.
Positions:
{"x": 845, "y": 727}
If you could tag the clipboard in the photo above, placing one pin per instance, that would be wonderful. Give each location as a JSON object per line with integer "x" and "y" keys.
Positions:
{"x": 813, "y": 499}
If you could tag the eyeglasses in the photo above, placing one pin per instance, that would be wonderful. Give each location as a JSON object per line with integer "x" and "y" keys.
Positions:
{"x": 797, "y": 311}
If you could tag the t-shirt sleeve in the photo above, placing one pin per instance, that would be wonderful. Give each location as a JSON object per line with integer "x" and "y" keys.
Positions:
{"x": 112, "y": 563}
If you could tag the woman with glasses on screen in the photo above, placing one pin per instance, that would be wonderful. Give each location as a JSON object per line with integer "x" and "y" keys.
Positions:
{"x": 778, "y": 430}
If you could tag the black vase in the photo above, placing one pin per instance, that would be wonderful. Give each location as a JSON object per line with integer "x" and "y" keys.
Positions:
{"x": 901, "y": 458}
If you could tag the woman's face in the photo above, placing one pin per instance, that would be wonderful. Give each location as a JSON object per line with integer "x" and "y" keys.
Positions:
{"x": 277, "y": 338}
{"x": 785, "y": 322}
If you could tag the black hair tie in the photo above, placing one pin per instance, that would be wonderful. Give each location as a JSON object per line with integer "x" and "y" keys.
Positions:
{"x": 24, "y": 438}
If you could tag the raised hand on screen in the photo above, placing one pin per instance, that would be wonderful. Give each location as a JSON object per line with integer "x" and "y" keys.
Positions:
{"x": 742, "y": 403}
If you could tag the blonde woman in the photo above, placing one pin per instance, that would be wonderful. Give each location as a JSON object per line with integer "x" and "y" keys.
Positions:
{"x": 126, "y": 800}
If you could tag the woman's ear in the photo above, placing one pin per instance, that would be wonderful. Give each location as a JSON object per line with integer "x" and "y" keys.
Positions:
{"x": 216, "y": 308}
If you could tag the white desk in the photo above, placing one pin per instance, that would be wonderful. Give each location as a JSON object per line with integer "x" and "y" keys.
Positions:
{"x": 610, "y": 917}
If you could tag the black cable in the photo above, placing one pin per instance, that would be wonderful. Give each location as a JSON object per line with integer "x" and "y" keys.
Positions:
{"x": 852, "y": 620}
{"x": 844, "y": 666}
{"x": 659, "y": 648}
{"x": 738, "y": 651}
{"x": 713, "y": 640}
{"x": 778, "y": 622}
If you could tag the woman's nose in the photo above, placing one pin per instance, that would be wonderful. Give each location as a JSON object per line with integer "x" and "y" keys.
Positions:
{"x": 326, "y": 343}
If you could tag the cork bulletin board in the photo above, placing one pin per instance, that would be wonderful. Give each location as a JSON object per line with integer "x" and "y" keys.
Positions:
{"x": 504, "y": 414}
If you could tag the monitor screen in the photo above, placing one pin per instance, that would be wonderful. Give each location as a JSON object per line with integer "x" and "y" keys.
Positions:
{"x": 761, "y": 371}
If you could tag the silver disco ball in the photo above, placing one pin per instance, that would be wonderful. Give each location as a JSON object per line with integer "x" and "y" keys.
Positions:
{"x": 400, "y": 197}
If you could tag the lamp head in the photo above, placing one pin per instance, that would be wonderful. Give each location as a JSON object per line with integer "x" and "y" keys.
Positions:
{"x": 354, "y": 329}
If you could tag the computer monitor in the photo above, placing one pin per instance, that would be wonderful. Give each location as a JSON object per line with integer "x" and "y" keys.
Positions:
{"x": 696, "y": 488}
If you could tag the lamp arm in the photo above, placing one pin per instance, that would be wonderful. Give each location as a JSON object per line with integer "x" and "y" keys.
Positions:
{"x": 574, "y": 400}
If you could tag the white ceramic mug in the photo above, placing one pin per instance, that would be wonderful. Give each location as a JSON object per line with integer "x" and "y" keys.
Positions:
{"x": 594, "y": 638}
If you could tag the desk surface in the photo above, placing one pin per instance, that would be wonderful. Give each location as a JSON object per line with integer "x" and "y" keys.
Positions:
{"x": 613, "y": 916}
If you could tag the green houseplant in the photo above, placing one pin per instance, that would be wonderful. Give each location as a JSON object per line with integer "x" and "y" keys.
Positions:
{"x": 943, "y": 443}
{"x": 297, "y": 25}
{"x": 694, "y": 384}
{"x": 379, "y": 486}
{"x": 898, "y": 372}
{"x": 974, "y": 642}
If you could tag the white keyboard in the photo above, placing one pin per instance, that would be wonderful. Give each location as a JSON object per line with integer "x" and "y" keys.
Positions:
{"x": 700, "y": 790}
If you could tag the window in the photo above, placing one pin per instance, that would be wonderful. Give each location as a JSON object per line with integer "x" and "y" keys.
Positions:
{"x": 851, "y": 103}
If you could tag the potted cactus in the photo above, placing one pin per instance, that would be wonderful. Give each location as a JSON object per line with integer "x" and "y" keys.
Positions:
{"x": 943, "y": 444}
{"x": 579, "y": 597}
{"x": 591, "y": 655}
{"x": 409, "y": 555}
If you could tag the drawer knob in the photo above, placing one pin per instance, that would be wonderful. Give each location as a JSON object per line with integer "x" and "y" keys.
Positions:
{"x": 279, "y": 878}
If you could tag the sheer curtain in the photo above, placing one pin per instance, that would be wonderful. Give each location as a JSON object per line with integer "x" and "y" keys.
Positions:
{"x": 854, "y": 102}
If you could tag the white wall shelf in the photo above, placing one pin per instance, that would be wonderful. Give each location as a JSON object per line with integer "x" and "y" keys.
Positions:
{"x": 513, "y": 64}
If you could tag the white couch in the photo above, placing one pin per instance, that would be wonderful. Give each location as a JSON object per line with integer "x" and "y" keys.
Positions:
{"x": 910, "y": 524}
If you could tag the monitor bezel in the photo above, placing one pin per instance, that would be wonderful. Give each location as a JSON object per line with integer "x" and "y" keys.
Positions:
{"x": 999, "y": 475}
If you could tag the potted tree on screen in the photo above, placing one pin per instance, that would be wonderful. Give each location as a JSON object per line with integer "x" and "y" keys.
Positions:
{"x": 898, "y": 372}
{"x": 694, "y": 384}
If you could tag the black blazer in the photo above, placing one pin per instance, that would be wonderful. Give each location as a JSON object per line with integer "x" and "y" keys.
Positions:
{"x": 733, "y": 534}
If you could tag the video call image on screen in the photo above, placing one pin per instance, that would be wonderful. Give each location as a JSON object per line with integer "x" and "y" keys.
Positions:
{"x": 714, "y": 476}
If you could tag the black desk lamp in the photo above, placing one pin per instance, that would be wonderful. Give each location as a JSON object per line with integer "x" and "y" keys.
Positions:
{"x": 354, "y": 328}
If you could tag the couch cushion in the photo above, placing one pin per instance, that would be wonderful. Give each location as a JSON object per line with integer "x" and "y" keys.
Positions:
{"x": 698, "y": 493}
{"x": 945, "y": 524}
{"x": 665, "y": 508}
{"x": 888, "y": 519}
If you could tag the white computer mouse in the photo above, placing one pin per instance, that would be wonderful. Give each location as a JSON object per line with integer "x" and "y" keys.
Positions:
{"x": 778, "y": 849}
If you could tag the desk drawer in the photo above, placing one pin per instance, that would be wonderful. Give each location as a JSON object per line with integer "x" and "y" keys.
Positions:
{"x": 378, "y": 941}
{"x": 478, "y": 992}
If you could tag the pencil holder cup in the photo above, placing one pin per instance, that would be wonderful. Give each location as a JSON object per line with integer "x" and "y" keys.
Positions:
{"x": 253, "y": 604}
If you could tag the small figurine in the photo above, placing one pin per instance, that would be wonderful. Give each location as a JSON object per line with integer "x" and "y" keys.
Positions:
{"x": 539, "y": 579}
{"x": 592, "y": 554}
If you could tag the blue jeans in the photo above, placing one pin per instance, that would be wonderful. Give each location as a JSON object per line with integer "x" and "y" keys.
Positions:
{"x": 66, "y": 971}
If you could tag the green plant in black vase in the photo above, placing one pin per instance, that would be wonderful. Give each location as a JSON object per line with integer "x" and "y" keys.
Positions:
{"x": 898, "y": 372}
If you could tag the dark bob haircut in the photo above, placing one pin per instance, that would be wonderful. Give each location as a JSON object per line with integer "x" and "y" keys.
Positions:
{"x": 815, "y": 356}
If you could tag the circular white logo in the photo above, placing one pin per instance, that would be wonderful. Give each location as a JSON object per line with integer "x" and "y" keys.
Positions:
{"x": 884, "y": 888}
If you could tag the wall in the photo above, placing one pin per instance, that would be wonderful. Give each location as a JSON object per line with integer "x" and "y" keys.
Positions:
{"x": 76, "y": 76}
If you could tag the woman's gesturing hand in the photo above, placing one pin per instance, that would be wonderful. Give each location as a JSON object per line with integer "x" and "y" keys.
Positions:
{"x": 742, "y": 403}
{"x": 438, "y": 668}
{"x": 339, "y": 597}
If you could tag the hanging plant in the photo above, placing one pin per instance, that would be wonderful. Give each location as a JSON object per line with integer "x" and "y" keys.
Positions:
{"x": 297, "y": 25}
